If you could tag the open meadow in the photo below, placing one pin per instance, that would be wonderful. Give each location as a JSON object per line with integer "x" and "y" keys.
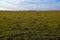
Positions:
{"x": 30, "y": 25}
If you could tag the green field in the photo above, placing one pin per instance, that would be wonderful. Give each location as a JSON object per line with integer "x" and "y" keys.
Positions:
{"x": 30, "y": 25}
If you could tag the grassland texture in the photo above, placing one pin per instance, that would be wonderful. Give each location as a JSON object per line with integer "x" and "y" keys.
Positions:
{"x": 30, "y": 25}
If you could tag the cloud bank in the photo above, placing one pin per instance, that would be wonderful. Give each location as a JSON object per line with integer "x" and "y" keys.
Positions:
{"x": 17, "y": 5}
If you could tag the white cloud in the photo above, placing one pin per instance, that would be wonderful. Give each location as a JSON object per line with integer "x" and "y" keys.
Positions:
{"x": 29, "y": 5}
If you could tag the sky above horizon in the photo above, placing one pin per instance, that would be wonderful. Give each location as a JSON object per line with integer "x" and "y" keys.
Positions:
{"x": 29, "y": 5}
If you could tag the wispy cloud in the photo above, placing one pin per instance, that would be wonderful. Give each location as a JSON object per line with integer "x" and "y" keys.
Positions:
{"x": 30, "y": 5}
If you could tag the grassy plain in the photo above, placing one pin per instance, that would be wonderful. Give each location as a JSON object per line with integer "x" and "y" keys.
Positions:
{"x": 30, "y": 25}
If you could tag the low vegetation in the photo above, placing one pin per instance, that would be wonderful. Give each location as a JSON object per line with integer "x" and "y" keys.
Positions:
{"x": 30, "y": 25}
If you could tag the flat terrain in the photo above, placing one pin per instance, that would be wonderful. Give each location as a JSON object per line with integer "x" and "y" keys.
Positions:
{"x": 30, "y": 25}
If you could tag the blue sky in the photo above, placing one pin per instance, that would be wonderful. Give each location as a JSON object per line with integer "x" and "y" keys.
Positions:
{"x": 29, "y": 5}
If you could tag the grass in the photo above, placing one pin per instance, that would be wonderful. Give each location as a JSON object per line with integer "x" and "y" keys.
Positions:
{"x": 30, "y": 25}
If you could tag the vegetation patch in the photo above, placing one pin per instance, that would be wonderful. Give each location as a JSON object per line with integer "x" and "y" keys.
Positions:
{"x": 30, "y": 25}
